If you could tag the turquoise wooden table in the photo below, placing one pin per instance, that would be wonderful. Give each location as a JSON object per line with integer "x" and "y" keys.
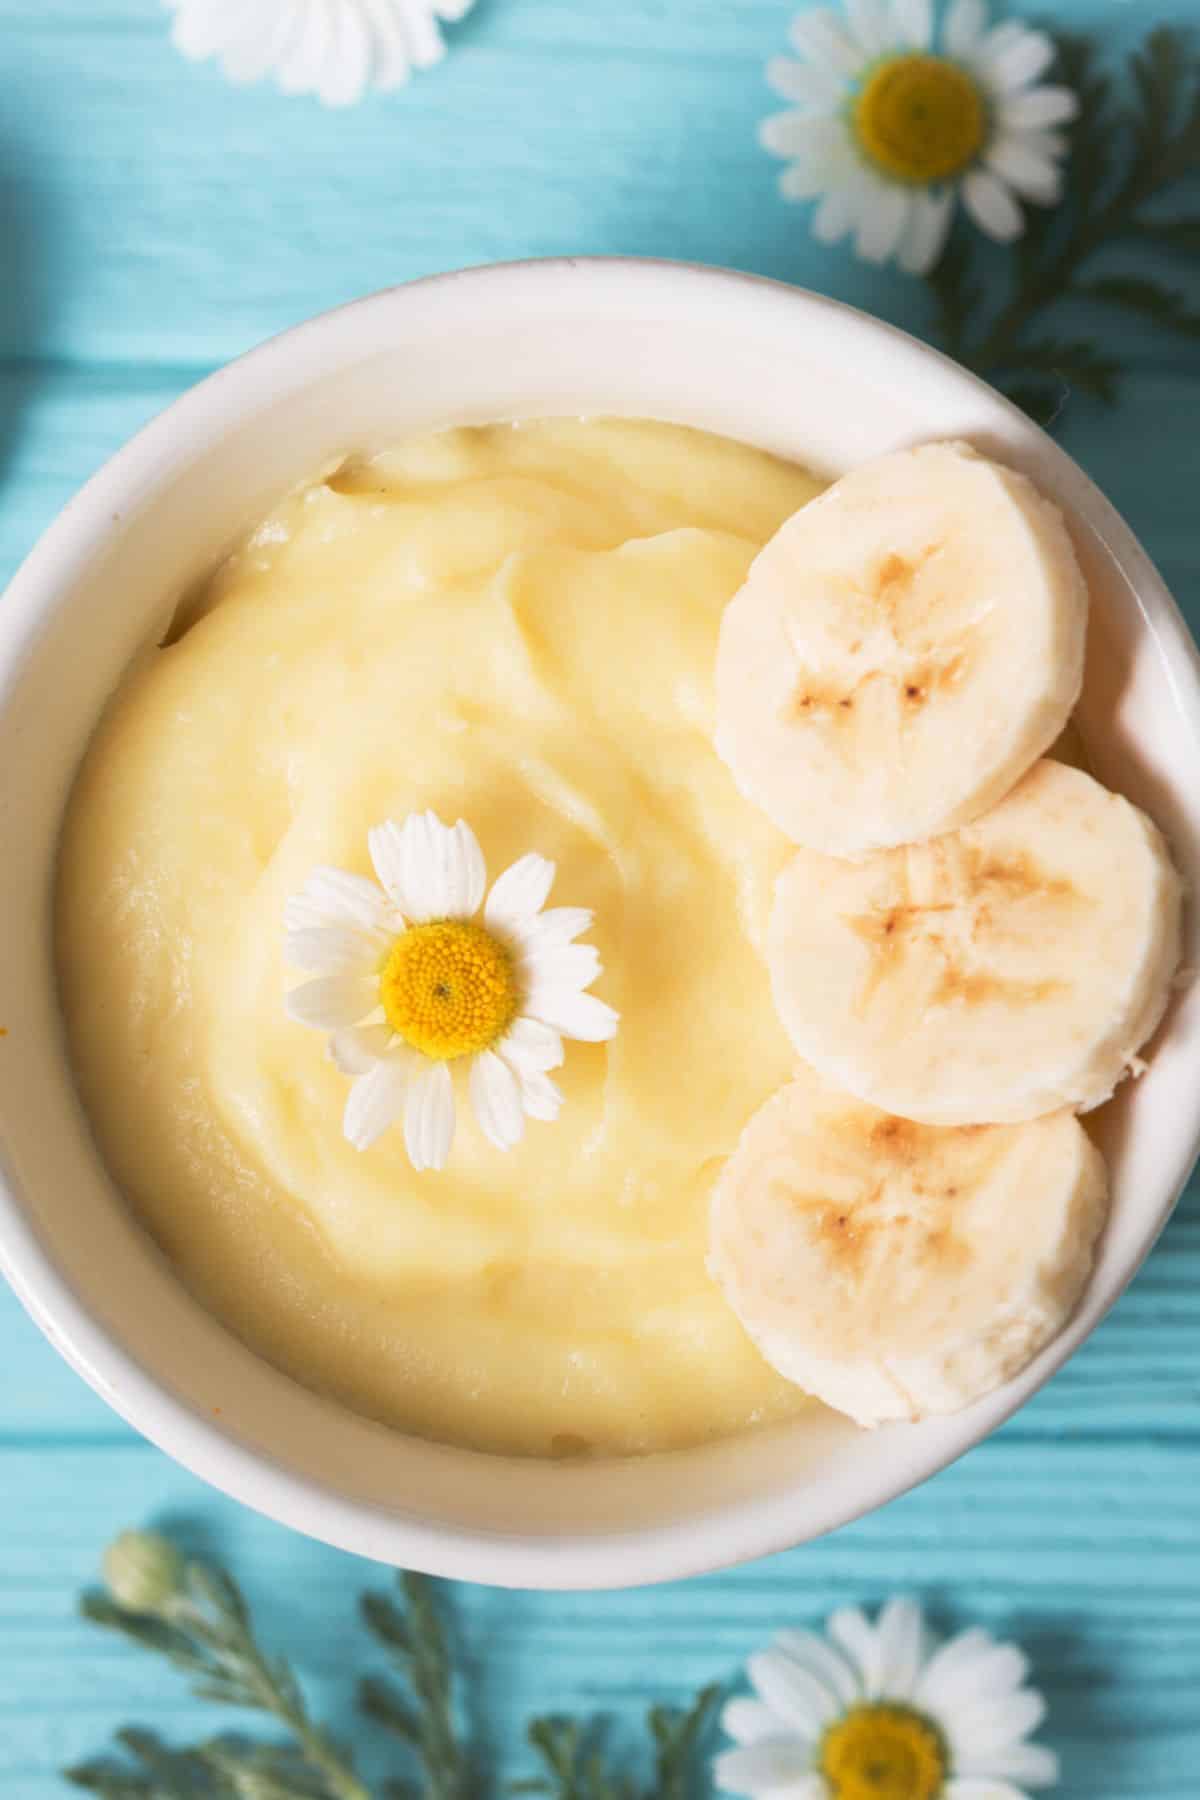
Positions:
{"x": 154, "y": 223}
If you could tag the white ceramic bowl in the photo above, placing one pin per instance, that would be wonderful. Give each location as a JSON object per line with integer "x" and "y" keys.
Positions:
{"x": 774, "y": 366}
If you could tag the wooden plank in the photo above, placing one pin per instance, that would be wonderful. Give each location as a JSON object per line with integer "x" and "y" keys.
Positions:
{"x": 155, "y": 222}
{"x": 1052, "y": 1548}
{"x": 154, "y": 212}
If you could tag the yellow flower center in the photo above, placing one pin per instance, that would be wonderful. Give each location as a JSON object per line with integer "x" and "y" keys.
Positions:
{"x": 883, "y": 1753}
{"x": 920, "y": 118}
{"x": 448, "y": 988}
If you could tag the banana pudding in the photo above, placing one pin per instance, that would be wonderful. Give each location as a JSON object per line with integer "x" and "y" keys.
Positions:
{"x": 514, "y": 626}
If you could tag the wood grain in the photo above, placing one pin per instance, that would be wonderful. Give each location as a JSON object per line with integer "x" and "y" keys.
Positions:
{"x": 154, "y": 223}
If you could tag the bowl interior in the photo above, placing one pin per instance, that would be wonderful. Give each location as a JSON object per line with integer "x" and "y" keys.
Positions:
{"x": 775, "y": 367}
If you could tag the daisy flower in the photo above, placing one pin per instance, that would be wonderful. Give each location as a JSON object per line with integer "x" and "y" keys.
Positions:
{"x": 886, "y": 1712}
{"x": 890, "y": 128}
{"x": 335, "y": 49}
{"x": 409, "y": 982}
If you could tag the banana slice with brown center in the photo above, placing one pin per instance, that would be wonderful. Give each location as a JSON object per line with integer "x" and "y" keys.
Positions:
{"x": 1003, "y": 971}
{"x": 903, "y": 649}
{"x": 895, "y": 1270}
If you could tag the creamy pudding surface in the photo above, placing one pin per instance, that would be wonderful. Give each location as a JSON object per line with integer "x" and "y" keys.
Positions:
{"x": 516, "y": 626}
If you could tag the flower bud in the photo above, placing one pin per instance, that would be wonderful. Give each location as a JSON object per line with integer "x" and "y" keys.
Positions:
{"x": 143, "y": 1571}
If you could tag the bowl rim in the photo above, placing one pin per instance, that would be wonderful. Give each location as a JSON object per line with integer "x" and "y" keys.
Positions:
{"x": 735, "y": 1531}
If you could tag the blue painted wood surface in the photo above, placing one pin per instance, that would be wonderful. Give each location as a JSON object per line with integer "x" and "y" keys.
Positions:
{"x": 155, "y": 222}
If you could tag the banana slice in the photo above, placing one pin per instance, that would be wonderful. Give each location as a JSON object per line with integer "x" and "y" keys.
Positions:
{"x": 895, "y": 1270}
{"x": 1001, "y": 972}
{"x": 903, "y": 649}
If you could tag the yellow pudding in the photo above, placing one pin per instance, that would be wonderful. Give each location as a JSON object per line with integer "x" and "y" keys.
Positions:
{"x": 514, "y": 625}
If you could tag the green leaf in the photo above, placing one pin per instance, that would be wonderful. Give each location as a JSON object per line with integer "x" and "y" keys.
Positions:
{"x": 210, "y": 1636}
{"x": 424, "y": 1715}
{"x": 1124, "y": 159}
{"x": 386, "y": 1621}
{"x": 1141, "y": 294}
{"x": 1156, "y": 71}
{"x": 153, "y": 1772}
{"x": 1044, "y": 405}
{"x": 1172, "y": 234}
{"x": 1092, "y": 144}
{"x": 380, "y": 1703}
{"x": 216, "y": 1588}
{"x": 956, "y": 295}
{"x": 678, "y": 1736}
{"x": 1075, "y": 362}
{"x": 110, "y": 1783}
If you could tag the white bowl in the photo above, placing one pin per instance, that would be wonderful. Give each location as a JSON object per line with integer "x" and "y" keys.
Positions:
{"x": 771, "y": 365}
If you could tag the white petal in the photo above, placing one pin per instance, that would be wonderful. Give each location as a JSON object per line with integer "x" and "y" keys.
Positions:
{"x": 848, "y": 1628}
{"x": 547, "y": 930}
{"x": 1027, "y": 170}
{"x": 992, "y": 206}
{"x": 1053, "y": 144}
{"x": 964, "y": 1667}
{"x": 1014, "y": 60}
{"x": 531, "y": 1046}
{"x": 974, "y": 1789}
{"x": 541, "y": 1098}
{"x": 1037, "y": 109}
{"x": 576, "y": 1015}
{"x": 835, "y": 216}
{"x": 913, "y": 20}
{"x": 335, "y": 897}
{"x": 300, "y": 69}
{"x": 794, "y": 134}
{"x": 820, "y": 37}
{"x": 1029, "y": 1765}
{"x": 459, "y": 877}
{"x": 431, "y": 871}
{"x": 822, "y": 1660}
{"x": 749, "y": 1721}
{"x": 965, "y": 25}
{"x": 805, "y": 180}
{"x": 992, "y": 1724}
{"x": 200, "y": 31}
{"x": 385, "y": 843}
{"x": 429, "y": 1116}
{"x": 391, "y": 62}
{"x": 496, "y": 1100}
{"x": 332, "y": 1001}
{"x": 762, "y": 1768}
{"x": 470, "y": 872}
{"x": 358, "y": 1048}
{"x": 925, "y": 234}
{"x": 569, "y": 966}
{"x": 520, "y": 892}
{"x": 335, "y": 949}
{"x": 805, "y": 1704}
{"x": 265, "y": 38}
{"x": 375, "y": 1102}
{"x": 871, "y": 25}
{"x": 809, "y": 84}
{"x": 883, "y": 221}
{"x": 900, "y": 1630}
{"x": 424, "y": 39}
{"x": 348, "y": 63}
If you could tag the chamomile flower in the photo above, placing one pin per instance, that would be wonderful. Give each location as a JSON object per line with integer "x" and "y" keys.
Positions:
{"x": 335, "y": 49}
{"x": 886, "y": 1712}
{"x": 410, "y": 983}
{"x": 893, "y": 124}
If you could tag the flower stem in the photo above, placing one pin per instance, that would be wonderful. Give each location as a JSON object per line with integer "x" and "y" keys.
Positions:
{"x": 249, "y": 1678}
{"x": 1053, "y": 282}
